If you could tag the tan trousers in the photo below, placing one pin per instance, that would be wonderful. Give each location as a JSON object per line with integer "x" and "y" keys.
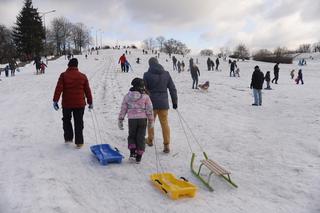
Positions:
{"x": 163, "y": 117}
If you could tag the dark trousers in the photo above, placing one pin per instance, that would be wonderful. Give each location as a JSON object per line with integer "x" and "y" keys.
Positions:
{"x": 195, "y": 82}
{"x": 137, "y": 133}
{"x": 123, "y": 67}
{"x": 78, "y": 124}
{"x": 275, "y": 79}
{"x": 232, "y": 71}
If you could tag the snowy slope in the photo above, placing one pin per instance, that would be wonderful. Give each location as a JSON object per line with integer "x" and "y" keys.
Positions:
{"x": 272, "y": 151}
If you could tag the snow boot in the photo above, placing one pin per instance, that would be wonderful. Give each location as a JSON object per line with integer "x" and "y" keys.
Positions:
{"x": 79, "y": 146}
{"x": 138, "y": 158}
{"x": 148, "y": 142}
{"x": 133, "y": 155}
{"x": 166, "y": 148}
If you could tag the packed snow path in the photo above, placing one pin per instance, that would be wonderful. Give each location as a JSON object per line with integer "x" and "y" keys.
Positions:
{"x": 272, "y": 151}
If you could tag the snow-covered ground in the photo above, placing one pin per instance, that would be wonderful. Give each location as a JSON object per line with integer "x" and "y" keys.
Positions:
{"x": 272, "y": 151}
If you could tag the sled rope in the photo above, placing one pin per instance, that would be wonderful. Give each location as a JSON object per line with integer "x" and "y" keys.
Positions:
{"x": 183, "y": 121}
{"x": 184, "y": 130}
{"x": 95, "y": 126}
{"x": 158, "y": 163}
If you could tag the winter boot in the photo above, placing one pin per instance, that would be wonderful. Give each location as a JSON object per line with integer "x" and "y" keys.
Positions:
{"x": 68, "y": 141}
{"x": 166, "y": 148}
{"x": 148, "y": 142}
{"x": 79, "y": 146}
{"x": 132, "y": 154}
{"x": 138, "y": 158}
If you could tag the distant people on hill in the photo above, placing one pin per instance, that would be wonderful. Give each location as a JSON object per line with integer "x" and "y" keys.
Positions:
{"x": 256, "y": 84}
{"x": 209, "y": 63}
{"x": 6, "y": 70}
{"x": 122, "y": 61}
{"x": 217, "y": 64}
{"x": 74, "y": 87}
{"x": 212, "y": 65}
{"x": 157, "y": 82}
{"x": 139, "y": 117}
{"x": 292, "y": 74}
{"x": 174, "y": 61}
{"x": 195, "y": 73}
{"x": 276, "y": 73}
{"x": 37, "y": 62}
{"x": 13, "y": 65}
{"x": 233, "y": 65}
{"x": 300, "y": 77}
{"x": 267, "y": 78}
{"x": 182, "y": 66}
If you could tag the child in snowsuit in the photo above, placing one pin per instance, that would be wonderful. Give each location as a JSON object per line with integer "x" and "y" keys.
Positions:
{"x": 137, "y": 104}
{"x": 42, "y": 67}
{"x": 237, "y": 72}
{"x": 300, "y": 77}
{"x": 292, "y": 74}
{"x": 267, "y": 79}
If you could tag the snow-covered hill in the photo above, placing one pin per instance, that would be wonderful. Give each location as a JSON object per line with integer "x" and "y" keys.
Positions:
{"x": 273, "y": 151}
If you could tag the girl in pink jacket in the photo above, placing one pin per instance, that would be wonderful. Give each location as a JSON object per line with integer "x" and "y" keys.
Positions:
{"x": 138, "y": 106}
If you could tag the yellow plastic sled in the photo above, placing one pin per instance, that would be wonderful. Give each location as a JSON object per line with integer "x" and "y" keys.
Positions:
{"x": 175, "y": 188}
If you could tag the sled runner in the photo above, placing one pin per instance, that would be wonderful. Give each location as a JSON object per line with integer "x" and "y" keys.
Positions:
{"x": 214, "y": 168}
{"x": 105, "y": 154}
{"x": 175, "y": 188}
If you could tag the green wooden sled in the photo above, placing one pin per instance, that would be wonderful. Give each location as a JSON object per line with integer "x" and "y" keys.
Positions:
{"x": 214, "y": 168}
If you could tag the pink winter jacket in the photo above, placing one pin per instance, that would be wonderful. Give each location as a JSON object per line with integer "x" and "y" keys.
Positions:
{"x": 136, "y": 105}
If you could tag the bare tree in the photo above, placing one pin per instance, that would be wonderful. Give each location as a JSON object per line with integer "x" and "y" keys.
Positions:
{"x": 160, "y": 40}
{"x": 316, "y": 47}
{"x": 148, "y": 43}
{"x": 206, "y": 52}
{"x": 80, "y": 36}
{"x": 60, "y": 33}
{"x": 241, "y": 52}
{"x": 174, "y": 46}
{"x": 304, "y": 48}
{"x": 224, "y": 52}
{"x": 280, "y": 51}
{"x": 7, "y": 48}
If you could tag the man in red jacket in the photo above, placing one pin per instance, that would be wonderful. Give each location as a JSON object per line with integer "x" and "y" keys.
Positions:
{"x": 122, "y": 61}
{"x": 74, "y": 87}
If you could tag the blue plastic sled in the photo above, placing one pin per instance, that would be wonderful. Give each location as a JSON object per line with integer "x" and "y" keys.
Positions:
{"x": 105, "y": 154}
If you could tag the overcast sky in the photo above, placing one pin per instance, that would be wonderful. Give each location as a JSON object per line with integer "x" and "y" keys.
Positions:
{"x": 198, "y": 23}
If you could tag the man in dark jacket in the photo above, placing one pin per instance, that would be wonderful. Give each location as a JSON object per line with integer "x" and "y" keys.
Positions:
{"x": 195, "y": 72}
{"x": 157, "y": 83}
{"x": 74, "y": 87}
{"x": 276, "y": 73}
{"x": 256, "y": 84}
{"x": 233, "y": 65}
{"x": 217, "y": 64}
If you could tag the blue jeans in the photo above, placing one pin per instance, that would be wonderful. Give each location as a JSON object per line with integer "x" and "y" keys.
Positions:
{"x": 257, "y": 96}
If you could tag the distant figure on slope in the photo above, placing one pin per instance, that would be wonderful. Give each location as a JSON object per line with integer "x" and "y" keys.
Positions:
{"x": 138, "y": 60}
{"x": 137, "y": 104}
{"x": 212, "y": 65}
{"x": 182, "y": 66}
{"x": 122, "y": 61}
{"x": 179, "y": 66}
{"x": 195, "y": 72}
{"x": 37, "y": 62}
{"x": 237, "y": 72}
{"x": 127, "y": 66}
{"x": 267, "y": 78}
{"x": 300, "y": 77}
{"x": 217, "y": 64}
{"x": 74, "y": 86}
{"x": 42, "y": 67}
{"x": 6, "y": 70}
{"x": 13, "y": 65}
{"x": 233, "y": 65}
{"x": 256, "y": 84}
{"x": 292, "y": 74}
{"x": 157, "y": 82}
{"x": 174, "y": 61}
{"x": 209, "y": 64}
{"x": 276, "y": 73}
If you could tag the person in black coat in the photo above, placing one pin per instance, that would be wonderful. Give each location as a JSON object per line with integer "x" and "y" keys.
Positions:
{"x": 276, "y": 73}
{"x": 233, "y": 65}
{"x": 209, "y": 64}
{"x": 194, "y": 74}
{"x": 256, "y": 84}
{"x": 300, "y": 77}
{"x": 217, "y": 64}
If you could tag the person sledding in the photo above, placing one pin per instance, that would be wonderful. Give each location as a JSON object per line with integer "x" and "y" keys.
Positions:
{"x": 137, "y": 104}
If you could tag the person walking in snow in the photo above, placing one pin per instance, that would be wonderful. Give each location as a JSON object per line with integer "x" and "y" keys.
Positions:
{"x": 74, "y": 87}
{"x": 233, "y": 65}
{"x": 13, "y": 64}
{"x": 6, "y": 70}
{"x": 300, "y": 77}
{"x": 182, "y": 66}
{"x": 217, "y": 64}
{"x": 212, "y": 65}
{"x": 122, "y": 62}
{"x": 209, "y": 64}
{"x": 195, "y": 72}
{"x": 127, "y": 66}
{"x": 157, "y": 82}
{"x": 138, "y": 106}
{"x": 37, "y": 62}
{"x": 174, "y": 61}
{"x": 179, "y": 66}
{"x": 267, "y": 78}
{"x": 256, "y": 84}
{"x": 42, "y": 67}
{"x": 292, "y": 74}
{"x": 276, "y": 73}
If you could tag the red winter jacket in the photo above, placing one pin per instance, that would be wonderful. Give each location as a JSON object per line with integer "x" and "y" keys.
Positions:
{"x": 74, "y": 87}
{"x": 122, "y": 59}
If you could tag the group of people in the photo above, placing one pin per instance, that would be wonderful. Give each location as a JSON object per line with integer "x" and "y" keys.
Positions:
{"x": 210, "y": 64}
{"x": 177, "y": 65}
{"x": 40, "y": 65}
{"x": 125, "y": 65}
{"x": 146, "y": 99}
{"x": 11, "y": 66}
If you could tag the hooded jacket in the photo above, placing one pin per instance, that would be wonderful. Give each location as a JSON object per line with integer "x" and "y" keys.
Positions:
{"x": 136, "y": 105}
{"x": 257, "y": 79}
{"x": 74, "y": 87}
{"x": 157, "y": 82}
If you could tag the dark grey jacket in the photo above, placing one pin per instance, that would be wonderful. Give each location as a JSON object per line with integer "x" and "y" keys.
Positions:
{"x": 157, "y": 82}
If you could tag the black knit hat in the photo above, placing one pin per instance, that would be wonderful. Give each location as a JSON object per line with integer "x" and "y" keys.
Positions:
{"x": 153, "y": 61}
{"x": 137, "y": 83}
{"x": 73, "y": 62}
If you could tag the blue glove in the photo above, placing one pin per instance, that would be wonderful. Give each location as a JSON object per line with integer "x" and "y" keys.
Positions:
{"x": 55, "y": 105}
{"x": 90, "y": 106}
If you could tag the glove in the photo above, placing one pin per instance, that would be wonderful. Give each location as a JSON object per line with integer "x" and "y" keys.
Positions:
{"x": 55, "y": 105}
{"x": 90, "y": 106}
{"x": 175, "y": 106}
{"x": 120, "y": 124}
{"x": 150, "y": 124}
